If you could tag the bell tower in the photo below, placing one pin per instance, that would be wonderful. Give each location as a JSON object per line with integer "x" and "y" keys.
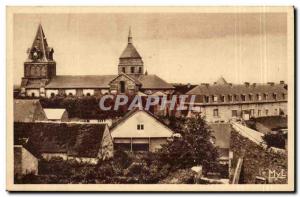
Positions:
{"x": 39, "y": 67}
{"x": 40, "y": 63}
{"x": 130, "y": 61}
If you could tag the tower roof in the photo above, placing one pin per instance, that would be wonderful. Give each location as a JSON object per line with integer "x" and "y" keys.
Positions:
{"x": 130, "y": 51}
{"x": 40, "y": 46}
{"x": 221, "y": 81}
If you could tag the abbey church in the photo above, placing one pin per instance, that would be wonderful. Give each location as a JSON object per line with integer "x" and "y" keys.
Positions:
{"x": 40, "y": 79}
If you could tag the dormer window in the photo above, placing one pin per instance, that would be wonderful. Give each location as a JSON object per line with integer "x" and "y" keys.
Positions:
{"x": 140, "y": 127}
{"x": 140, "y": 69}
{"x": 243, "y": 97}
{"x": 274, "y": 96}
{"x": 132, "y": 69}
{"x": 206, "y": 99}
{"x": 123, "y": 69}
{"x": 265, "y": 96}
{"x": 222, "y": 98}
{"x": 215, "y": 98}
{"x": 250, "y": 97}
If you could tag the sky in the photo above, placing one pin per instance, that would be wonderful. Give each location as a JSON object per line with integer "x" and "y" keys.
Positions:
{"x": 178, "y": 47}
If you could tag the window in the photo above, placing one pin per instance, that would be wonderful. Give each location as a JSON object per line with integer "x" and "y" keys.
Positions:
{"x": 132, "y": 69}
{"x": 88, "y": 94}
{"x": 230, "y": 98}
{"x": 243, "y": 97}
{"x": 122, "y": 86}
{"x": 234, "y": 113}
{"x": 140, "y": 126}
{"x": 252, "y": 111}
{"x": 32, "y": 94}
{"x": 206, "y": 99}
{"x": 52, "y": 94}
{"x": 259, "y": 113}
{"x": 222, "y": 98}
{"x": 70, "y": 94}
{"x": 123, "y": 69}
{"x": 274, "y": 96}
{"x": 267, "y": 112}
{"x": 250, "y": 97}
{"x": 283, "y": 96}
{"x": 140, "y": 69}
{"x": 265, "y": 96}
{"x": 215, "y": 98}
{"x": 216, "y": 112}
{"x": 235, "y": 97}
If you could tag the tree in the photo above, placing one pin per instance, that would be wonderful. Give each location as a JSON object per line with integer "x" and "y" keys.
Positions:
{"x": 194, "y": 148}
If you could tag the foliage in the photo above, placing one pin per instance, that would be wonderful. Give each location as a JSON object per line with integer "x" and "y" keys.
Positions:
{"x": 194, "y": 148}
{"x": 255, "y": 159}
{"x": 275, "y": 139}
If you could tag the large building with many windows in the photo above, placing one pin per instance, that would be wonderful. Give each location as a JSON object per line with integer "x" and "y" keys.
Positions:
{"x": 40, "y": 79}
{"x": 222, "y": 101}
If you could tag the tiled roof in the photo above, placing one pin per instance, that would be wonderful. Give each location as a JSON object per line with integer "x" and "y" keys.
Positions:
{"x": 81, "y": 81}
{"x": 28, "y": 110}
{"x": 81, "y": 140}
{"x": 153, "y": 82}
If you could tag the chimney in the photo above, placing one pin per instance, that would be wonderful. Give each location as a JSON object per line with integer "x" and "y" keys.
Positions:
{"x": 247, "y": 84}
{"x": 205, "y": 84}
{"x": 188, "y": 85}
{"x": 282, "y": 82}
{"x": 271, "y": 83}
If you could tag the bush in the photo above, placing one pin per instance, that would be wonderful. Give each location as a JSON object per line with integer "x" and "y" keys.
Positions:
{"x": 275, "y": 139}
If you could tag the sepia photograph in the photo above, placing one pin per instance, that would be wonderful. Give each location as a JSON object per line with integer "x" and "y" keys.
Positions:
{"x": 164, "y": 99}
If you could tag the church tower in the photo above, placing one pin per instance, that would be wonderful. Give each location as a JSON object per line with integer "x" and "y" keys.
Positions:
{"x": 39, "y": 67}
{"x": 130, "y": 61}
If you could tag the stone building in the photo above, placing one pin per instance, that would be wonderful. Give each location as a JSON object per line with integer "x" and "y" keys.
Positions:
{"x": 222, "y": 101}
{"x": 40, "y": 79}
{"x": 28, "y": 110}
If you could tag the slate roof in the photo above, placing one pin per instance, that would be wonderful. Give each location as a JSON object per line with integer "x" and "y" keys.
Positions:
{"x": 26, "y": 110}
{"x": 103, "y": 81}
{"x": 216, "y": 89}
{"x": 80, "y": 140}
{"x": 81, "y": 81}
{"x": 153, "y": 82}
{"x": 130, "y": 52}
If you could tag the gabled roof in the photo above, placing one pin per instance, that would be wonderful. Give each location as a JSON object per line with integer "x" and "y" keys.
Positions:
{"x": 81, "y": 81}
{"x": 132, "y": 113}
{"x": 54, "y": 113}
{"x": 221, "y": 81}
{"x": 132, "y": 78}
{"x": 28, "y": 110}
{"x": 153, "y": 82}
{"x": 80, "y": 140}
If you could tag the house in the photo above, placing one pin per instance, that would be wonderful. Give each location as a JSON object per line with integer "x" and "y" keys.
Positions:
{"x": 26, "y": 110}
{"x": 40, "y": 79}
{"x": 83, "y": 142}
{"x": 55, "y": 114}
{"x": 222, "y": 101}
{"x": 25, "y": 162}
{"x": 269, "y": 124}
{"x": 140, "y": 130}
